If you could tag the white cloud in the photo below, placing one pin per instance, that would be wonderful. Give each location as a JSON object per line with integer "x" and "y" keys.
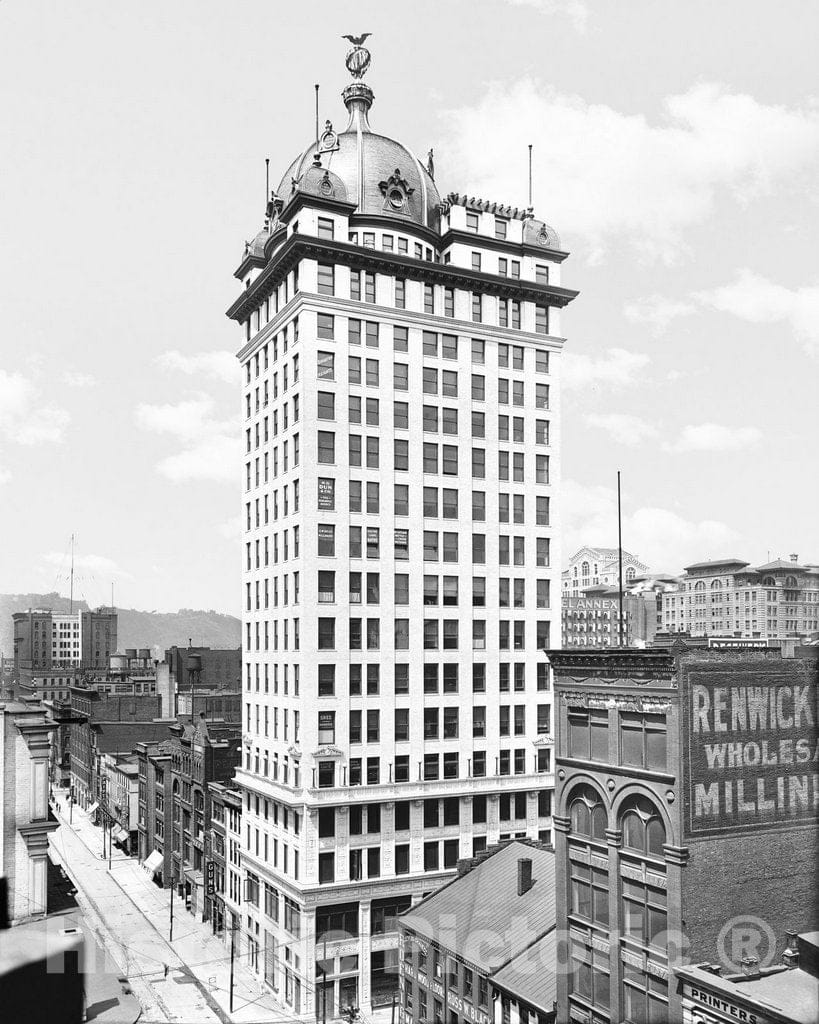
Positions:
{"x": 211, "y": 448}
{"x": 714, "y": 437}
{"x": 757, "y": 300}
{"x": 657, "y": 311}
{"x": 615, "y": 368}
{"x": 5, "y": 476}
{"x": 664, "y": 540}
{"x": 618, "y": 180}
{"x": 23, "y": 417}
{"x": 75, "y": 379}
{"x": 575, "y": 10}
{"x": 622, "y": 427}
{"x": 90, "y": 567}
{"x": 219, "y": 365}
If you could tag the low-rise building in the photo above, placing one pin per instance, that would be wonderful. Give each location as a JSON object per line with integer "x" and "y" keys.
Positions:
{"x": 25, "y": 815}
{"x": 480, "y": 950}
{"x": 787, "y": 993}
{"x": 223, "y": 889}
{"x": 154, "y": 809}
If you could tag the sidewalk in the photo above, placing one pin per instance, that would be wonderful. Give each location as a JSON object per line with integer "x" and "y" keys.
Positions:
{"x": 135, "y": 913}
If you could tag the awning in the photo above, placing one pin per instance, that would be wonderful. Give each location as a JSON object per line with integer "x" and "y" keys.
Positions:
{"x": 194, "y": 876}
{"x": 92, "y": 808}
{"x": 153, "y": 862}
{"x": 120, "y": 835}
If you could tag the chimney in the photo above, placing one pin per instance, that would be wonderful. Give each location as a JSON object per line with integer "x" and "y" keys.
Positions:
{"x": 750, "y": 966}
{"x": 794, "y": 558}
{"x": 525, "y": 881}
{"x": 790, "y": 958}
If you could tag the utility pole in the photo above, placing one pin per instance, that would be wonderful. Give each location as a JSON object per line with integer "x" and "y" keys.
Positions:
{"x": 620, "y": 557}
{"x": 71, "y": 588}
{"x": 232, "y": 955}
{"x": 173, "y": 886}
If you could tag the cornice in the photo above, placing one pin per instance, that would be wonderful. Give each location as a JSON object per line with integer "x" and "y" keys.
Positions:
{"x": 299, "y": 246}
{"x": 513, "y": 248}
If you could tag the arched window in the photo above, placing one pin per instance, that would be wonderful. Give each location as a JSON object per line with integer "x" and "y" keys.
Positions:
{"x": 588, "y": 901}
{"x": 699, "y": 585}
{"x": 716, "y": 585}
{"x": 575, "y": 572}
{"x": 643, "y": 909}
{"x": 643, "y": 829}
{"x": 584, "y": 569}
{"x": 790, "y": 582}
{"x": 630, "y": 572}
{"x": 769, "y": 581}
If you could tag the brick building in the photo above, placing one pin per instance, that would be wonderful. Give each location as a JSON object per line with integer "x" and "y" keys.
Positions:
{"x": 154, "y": 808}
{"x": 223, "y": 850}
{"x": 121, "y": 778}
{"x": 204, "y": 668}
{"x": 51, "y": 647}
{"x": 591, "y": 617}
{"x": 107, "y": 723}
{"x": 686, "y": 802}
{"x": 729, "y": 598}
{"x": 481, "y": 950}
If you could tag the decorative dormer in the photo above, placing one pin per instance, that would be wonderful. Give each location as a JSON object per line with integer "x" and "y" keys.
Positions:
{"x": 396, "y": 191}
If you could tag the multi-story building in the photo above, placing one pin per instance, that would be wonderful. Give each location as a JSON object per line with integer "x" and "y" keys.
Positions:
{"x": 203, "y": 669}
{"x": 599, "y": 567}
{"x": 44, "y": 639}
{"x": 687, "y": 813}
{"x": 25, "y": 818}
{"x": 481, "y": 950}
{"x": 155, "y": 809}
{"x": 400, "y": 360}
{"x": 121, "y": 780}
{"x": 202, "y": 752}
{"x": 593, "y": 618}
{"x": 727, "y": 597}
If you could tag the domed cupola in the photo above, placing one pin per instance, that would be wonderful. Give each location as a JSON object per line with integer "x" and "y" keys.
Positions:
{"x": 380, "y": 175}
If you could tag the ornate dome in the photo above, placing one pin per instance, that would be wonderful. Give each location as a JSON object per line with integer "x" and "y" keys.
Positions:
{"x": 378, "y": 174}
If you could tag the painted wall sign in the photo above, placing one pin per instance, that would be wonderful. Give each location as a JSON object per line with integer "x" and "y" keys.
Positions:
{"x": 751, "y": 749}
{"x": 326, "y": 492}
{"x": 727, "y": 1010}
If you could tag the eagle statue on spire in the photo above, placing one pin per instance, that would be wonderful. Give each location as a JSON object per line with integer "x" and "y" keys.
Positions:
{"x": 358, "y": 59}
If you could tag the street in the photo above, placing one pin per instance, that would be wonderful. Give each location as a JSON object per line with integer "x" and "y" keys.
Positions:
{"x": 131, "y": 915}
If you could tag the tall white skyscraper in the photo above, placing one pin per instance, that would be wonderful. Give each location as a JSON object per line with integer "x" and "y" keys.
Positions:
{"x": 401, "y": 353}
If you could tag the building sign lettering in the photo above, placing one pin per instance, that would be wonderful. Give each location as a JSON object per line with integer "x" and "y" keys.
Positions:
{"x": 326, "y": 493}
{"x": 714, "y": 1002}
{"x": 753, "y": 751}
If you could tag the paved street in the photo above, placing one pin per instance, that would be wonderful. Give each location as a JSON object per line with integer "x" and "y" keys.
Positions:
{"x": 131, "y": 915}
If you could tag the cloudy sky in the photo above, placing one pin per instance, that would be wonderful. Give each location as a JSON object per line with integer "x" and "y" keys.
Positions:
{"x": 676, "y": 150}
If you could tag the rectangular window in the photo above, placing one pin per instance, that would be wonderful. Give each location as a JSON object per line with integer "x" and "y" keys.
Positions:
{"x": 325, "y": 326}
{"x": 326, "y": 446}
{"x": 400, "y": 339}
{"x": 400, "y": 376}
{"x": 325, "y": 366}
{"x": 326, "y": 279}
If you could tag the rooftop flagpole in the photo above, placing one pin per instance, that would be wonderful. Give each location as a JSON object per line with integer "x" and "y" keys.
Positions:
{"x": 620, "y": 558}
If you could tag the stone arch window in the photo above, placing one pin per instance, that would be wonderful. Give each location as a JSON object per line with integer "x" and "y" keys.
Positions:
{"x": 716, "y": 585}
{"x": 575, "y": 572}
{"x": 588, "y": 902}
{"x": 790, "y": 582}
{"x": 584, "y": 569}
{"x": 769, "y": 581}
{"x": 587, "y": 814}
{"x": 643, "y": 912}
{"x": 631, "y": 572}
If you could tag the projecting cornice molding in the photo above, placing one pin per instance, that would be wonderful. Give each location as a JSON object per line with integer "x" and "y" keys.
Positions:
{"x": 298, "y": 247}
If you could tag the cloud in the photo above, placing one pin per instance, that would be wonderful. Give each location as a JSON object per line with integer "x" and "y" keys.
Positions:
{"x": 89, "y": 566}
{"x": 615, "y": 368}
{"x": 657, "y": 311}
{"x": 23, "y": 417}
{"x": 619, "y": 181}
{"x": 74, "y": 379}
{"x": 575, "y": 10}
{"x": 622, "y": 427}
{"x": 714, "y": 437}
{"x": 219, "y": 365}
{"x": 5, "y": 476}
{"x": 210, "y": 447}
{"x": 757, "y": 300}
{"x": 662, "y": 539}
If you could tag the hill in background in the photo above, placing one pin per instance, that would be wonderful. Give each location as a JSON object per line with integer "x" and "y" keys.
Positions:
{"x": 157, "y": 630}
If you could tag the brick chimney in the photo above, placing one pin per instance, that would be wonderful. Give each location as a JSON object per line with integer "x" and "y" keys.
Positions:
{"x": 794, "y": 558}
{"x": 750, "y": 966}
{"x": 790, "y": 958}
{"x": 525, "y": 880}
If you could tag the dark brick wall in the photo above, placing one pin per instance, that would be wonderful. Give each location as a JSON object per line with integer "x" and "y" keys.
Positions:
{"x": 772, "y": 875}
